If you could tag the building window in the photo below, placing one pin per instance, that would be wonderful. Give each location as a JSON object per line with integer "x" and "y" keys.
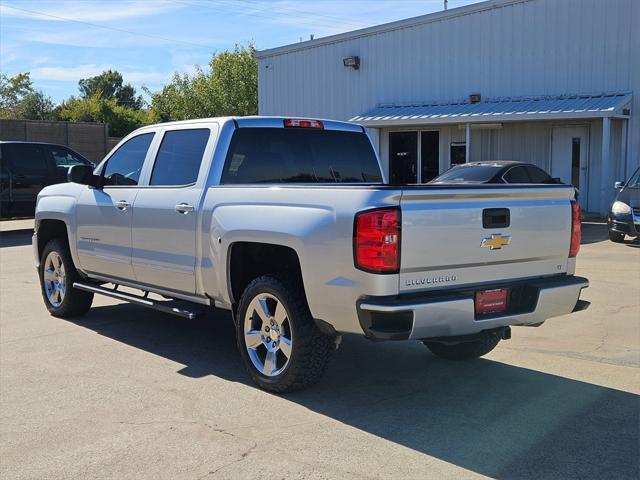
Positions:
{"x": 458, "y": 153}
{"x": 575, "y": 161}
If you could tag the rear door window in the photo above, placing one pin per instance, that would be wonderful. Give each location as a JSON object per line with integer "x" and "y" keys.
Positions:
{"x": 25, "y": 159}
{"x": 517, "y": 175}
{"x": 537, "y": 175}
{"x": 284, "y": 155}
{"x": 179, "y": 157}
{"x": 124, "y": 167}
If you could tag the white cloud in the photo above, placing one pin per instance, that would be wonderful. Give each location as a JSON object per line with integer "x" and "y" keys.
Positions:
{"x": 90, "y": 70}
{"x": 86, "y": 12}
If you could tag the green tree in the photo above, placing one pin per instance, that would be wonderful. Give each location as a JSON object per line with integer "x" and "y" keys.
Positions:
{"x": 228, "y": 87}
{"x": 19, "y": 100}
{"x": 110, "y": 85}
{"x": 121, "y": 119}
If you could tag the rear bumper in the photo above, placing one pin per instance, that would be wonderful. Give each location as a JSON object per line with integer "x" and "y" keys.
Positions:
{"x": 452, "y": 313}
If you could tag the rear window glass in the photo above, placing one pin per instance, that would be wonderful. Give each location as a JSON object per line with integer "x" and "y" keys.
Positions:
{"x": 179, "y": 157}
{"x": 283, "y": 155}
{"x": 537, "y": 175}
{"x": 474, "y": 174}
{"x": 25, "y": 158}
{"x": 517, "y": 175}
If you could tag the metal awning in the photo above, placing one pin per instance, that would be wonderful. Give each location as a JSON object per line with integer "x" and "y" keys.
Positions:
{"x": 500, "y": 110}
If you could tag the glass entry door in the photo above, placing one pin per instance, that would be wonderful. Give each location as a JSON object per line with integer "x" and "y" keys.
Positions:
{"x": 414, "y": 157}
{"x": 403, "y": 157}
{"x": 429, "y": 155}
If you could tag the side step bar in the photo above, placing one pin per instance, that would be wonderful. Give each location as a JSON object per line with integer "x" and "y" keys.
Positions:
{"x": 166, "y": 307}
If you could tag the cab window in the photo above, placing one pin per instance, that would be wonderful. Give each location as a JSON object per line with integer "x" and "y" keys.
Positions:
{"x": 25, "y": 158}
{"x": 124, "y": 167}
{"x": 290, "y": 155}
{"x": 537, "y": 175}
{"x": 64, "y": 158}
{"x": 179, "y": 157}
{"x": 516, "y": 175}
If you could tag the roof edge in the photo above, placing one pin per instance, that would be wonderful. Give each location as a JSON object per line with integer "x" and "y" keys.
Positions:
{"x": 388, "y": 27}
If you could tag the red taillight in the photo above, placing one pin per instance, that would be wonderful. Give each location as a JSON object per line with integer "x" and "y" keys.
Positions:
{"x": 377, "y": 240}
{"x": 300, "y": 123}
{"x": 575, "y": 229}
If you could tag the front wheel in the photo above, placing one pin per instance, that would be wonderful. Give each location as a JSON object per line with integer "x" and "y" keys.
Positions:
{"x": 280, "y": 344}
{"x": 57, "y": 275}
{"x": 464, "y": 351}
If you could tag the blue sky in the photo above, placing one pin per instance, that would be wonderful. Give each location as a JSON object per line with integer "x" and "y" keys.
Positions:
{"x": 60, "y": 41}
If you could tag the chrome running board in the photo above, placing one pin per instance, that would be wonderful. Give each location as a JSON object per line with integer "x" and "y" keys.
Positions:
{"x": 169, "y": 306}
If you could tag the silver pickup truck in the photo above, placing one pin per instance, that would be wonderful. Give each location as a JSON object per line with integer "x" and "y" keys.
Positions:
{"x": 290, "y": 225}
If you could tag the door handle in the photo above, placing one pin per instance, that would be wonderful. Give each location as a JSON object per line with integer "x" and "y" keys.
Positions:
{"x": 183, "y": 208}
{"x": 122, "y": 205}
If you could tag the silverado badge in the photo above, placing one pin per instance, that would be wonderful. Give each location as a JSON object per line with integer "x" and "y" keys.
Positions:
{"x": 496, "y": 241}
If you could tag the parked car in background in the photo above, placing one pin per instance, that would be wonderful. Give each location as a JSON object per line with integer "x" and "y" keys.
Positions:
{"x": 624, "y": 215}
{"x": 495, "y": 172}
{"x": 28, "y": 167}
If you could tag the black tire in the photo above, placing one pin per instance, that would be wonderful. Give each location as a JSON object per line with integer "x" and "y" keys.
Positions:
{"x": 466, "y": 350}
{"x": 74, "y": 302}
{"x": 616, "y": 237}
{"x": 310, "y": 348}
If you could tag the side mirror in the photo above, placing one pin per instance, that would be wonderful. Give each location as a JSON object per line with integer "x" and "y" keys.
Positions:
{"x": 83, "y": 174}
{"x": 618, "y": 185}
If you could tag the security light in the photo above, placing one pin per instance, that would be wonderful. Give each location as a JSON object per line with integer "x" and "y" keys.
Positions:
{"x": 353, "y": 62}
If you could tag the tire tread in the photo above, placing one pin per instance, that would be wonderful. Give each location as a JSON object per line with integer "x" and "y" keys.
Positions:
{"x": 312, "y": 350}
{"x": 76, "y": 302}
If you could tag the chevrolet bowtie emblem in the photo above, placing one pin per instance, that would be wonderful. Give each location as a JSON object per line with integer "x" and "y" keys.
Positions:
{"x": 496, "y": 241}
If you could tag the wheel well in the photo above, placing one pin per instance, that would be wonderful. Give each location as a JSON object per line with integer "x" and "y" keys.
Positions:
{"x": 50, "y": 229}
{"x": 249, "y": 260}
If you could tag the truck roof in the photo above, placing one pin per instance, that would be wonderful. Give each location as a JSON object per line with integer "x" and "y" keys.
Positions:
{"x": 263, "y": 121}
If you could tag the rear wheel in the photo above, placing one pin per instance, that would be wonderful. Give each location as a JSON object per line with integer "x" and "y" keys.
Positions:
{"x": 616, "y": 237}
{"x": 57, "y": 275}
{"x": 280, "y": 344}
{"x": 466, "y": 350}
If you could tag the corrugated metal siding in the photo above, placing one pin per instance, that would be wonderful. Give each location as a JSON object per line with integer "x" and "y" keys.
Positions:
{"x": 536, "y": 47}
{"x": 503, "y": 109}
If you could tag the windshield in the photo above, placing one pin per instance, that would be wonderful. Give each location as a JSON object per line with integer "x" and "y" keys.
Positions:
{"x": 634, "y": 181}
{"x": 468, "y": 174}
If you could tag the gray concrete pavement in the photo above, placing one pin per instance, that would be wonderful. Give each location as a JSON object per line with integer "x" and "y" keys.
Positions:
{"x": 129, "y": 393}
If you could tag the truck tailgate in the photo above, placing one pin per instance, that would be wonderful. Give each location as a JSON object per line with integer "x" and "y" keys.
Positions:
{"x": 446, "y": 242}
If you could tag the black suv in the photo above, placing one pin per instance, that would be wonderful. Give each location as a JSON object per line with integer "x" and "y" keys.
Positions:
{"x": 28, "y": 167}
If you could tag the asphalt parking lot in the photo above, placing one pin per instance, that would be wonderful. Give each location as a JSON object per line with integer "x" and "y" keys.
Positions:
{"x": 129, "y": 393}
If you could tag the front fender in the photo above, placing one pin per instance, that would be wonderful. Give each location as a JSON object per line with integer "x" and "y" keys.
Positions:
{"x": 62, "y": 208}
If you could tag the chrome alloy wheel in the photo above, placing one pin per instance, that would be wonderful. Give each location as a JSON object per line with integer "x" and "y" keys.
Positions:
{"x": 53, "y": 278}
{"x": 267, "y": 334}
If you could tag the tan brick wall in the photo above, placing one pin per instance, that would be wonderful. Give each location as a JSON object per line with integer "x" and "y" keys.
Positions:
{"x": 89, "y": 139}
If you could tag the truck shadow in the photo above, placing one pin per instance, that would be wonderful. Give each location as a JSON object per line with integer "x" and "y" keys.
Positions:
{"x": 15, "y": 238}
{"x": 593, "y": 232}
{"x": 492, "y": 418}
